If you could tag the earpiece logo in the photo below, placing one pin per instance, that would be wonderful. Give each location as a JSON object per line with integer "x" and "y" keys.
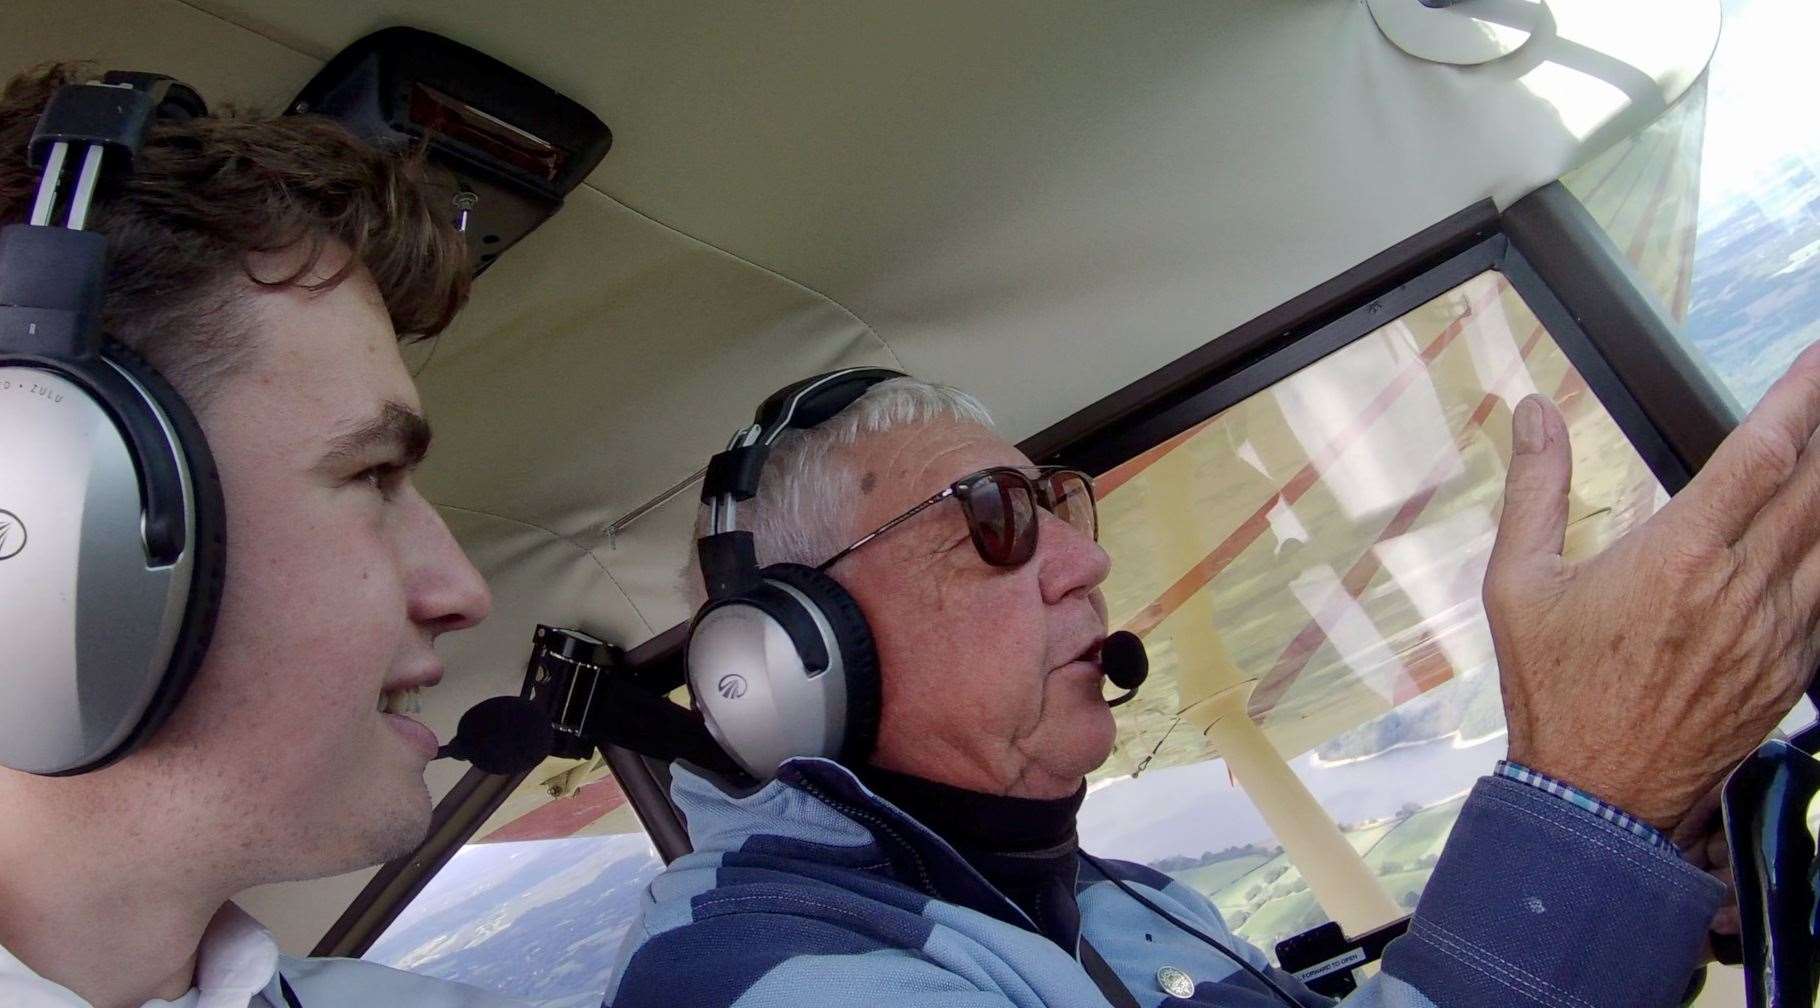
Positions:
{"x": 12, "y": 540}
{"x": 732, "y": 686}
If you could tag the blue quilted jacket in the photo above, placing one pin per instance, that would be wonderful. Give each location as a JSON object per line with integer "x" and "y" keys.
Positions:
{"x": 812, "y": 892}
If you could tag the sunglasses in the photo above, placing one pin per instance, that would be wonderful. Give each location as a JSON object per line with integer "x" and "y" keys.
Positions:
{"x": 1001, "y": 506}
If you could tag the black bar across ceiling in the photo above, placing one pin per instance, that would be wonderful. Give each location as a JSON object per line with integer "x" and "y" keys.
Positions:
{"x": 1574, "y": 258}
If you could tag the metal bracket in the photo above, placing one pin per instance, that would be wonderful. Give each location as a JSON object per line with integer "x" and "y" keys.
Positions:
{"x": 563, "y": 676}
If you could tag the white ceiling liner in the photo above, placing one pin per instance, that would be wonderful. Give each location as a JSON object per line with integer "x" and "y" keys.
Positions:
{"x": 1040, "y": 202}
{"x": 978, "y": 181}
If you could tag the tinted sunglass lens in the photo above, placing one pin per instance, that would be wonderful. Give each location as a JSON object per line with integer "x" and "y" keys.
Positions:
{"x": 1072, "y": 502}
{"x": 1001, "y": 513}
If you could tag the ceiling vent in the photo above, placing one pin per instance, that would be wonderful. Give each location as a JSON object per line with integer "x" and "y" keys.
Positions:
{"x": 513, "y": 147}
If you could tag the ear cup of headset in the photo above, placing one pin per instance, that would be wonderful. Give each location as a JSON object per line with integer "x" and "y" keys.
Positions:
{"x": 780, "y": 660}
{"x": 786, "y": 669}
{"x": 106, "y": 637}
{"x": 207, "y": 544}
{"x": 859, "y": 654}
{"x": 112, "y": 530}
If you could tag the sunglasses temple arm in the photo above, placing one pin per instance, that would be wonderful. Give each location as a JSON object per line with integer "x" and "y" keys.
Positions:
{"x": 886, "y": 527}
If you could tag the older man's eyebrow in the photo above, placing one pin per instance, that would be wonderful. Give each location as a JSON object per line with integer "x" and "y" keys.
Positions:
{"x": 397, "y": 427}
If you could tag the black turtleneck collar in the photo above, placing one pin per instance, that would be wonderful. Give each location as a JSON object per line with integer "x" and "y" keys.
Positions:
{"x": 976, "y": 820}
{"x": 1025, "y": 847}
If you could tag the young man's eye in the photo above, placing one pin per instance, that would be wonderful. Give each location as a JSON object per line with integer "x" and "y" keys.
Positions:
{"x": 384, "y": 477}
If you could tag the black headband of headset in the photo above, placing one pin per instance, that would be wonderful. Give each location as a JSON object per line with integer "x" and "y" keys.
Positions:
{"x": 729, "y": 561}
{"x": 50, "y": 290}
{"x": 115, "y": 119}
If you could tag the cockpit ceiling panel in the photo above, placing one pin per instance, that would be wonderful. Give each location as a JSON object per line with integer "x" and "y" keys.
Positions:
{"x": 979, "y": 181}
{"x": 955, "y": 167}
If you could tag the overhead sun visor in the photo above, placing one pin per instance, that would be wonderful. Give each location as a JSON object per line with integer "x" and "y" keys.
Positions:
{"x": 513, "y": 146}
{"x": 1461, "y": 34}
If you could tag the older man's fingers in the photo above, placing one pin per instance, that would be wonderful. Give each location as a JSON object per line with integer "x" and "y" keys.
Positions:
{"x": 1718, "y": 854}
{"x": 1804, "y": 584}
{"x": 1533, "y": 527}
{"x": 1784, "y": 532}
{"x": 1702, "y": 831}
{"x": 1759, "y": 456}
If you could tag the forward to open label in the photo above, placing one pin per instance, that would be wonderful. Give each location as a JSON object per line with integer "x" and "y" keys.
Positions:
{"x": 1334, "y": 965}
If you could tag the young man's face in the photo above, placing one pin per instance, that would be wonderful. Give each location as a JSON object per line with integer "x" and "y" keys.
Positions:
{"x": 340, "y": 575}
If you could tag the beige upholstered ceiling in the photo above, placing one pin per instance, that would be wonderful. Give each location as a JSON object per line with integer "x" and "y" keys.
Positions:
{"x": 1039, "y": 201}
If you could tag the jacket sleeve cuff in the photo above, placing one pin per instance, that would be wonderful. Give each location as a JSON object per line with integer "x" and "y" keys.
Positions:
{"x": 1537, "y": 901}
{"x": 1574, "y": 796}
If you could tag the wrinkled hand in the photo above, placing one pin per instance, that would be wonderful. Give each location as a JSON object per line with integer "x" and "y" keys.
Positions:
{"x": 1644, "y": 674}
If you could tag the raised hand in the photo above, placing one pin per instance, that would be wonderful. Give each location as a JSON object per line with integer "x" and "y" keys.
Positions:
{"x": 1644, "y": 674}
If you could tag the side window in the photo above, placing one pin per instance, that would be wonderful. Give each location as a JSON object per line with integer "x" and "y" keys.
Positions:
{"x": 1305, "y": 565}
{"x": 535, "y": 906}
{"x": 1305, "y": 569}
{"x": 1717, "y": 204}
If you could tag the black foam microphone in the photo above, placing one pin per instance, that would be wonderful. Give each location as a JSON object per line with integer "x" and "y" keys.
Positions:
{"x": 501, "y": 735}
{"x": 1123, "y": 661}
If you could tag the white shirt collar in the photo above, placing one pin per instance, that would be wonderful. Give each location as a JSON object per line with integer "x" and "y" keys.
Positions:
{"x": 236, "y": 960}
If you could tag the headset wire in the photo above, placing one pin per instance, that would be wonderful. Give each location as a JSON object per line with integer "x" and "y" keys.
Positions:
{"x": 1258, "y": 974}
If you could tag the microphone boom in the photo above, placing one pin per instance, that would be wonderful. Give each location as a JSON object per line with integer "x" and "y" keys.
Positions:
{"x": 1124, "y": 662}
{"x": 502, "y": 735}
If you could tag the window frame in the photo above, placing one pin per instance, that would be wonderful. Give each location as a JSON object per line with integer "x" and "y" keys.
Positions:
{"x": 1555, "y": 257}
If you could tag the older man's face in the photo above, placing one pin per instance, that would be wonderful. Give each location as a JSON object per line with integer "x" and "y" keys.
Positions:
{"x": 983, "y": 686}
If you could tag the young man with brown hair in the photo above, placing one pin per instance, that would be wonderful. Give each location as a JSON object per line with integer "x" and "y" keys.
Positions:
{"x": 267, "y": 267}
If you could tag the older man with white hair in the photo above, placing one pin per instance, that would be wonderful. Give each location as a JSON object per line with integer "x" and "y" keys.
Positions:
{"x": 934, "y": 861}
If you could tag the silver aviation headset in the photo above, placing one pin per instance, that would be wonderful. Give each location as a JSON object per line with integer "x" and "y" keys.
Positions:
{"x": 111, "y": 517}
{"x": 781, "y": 662}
